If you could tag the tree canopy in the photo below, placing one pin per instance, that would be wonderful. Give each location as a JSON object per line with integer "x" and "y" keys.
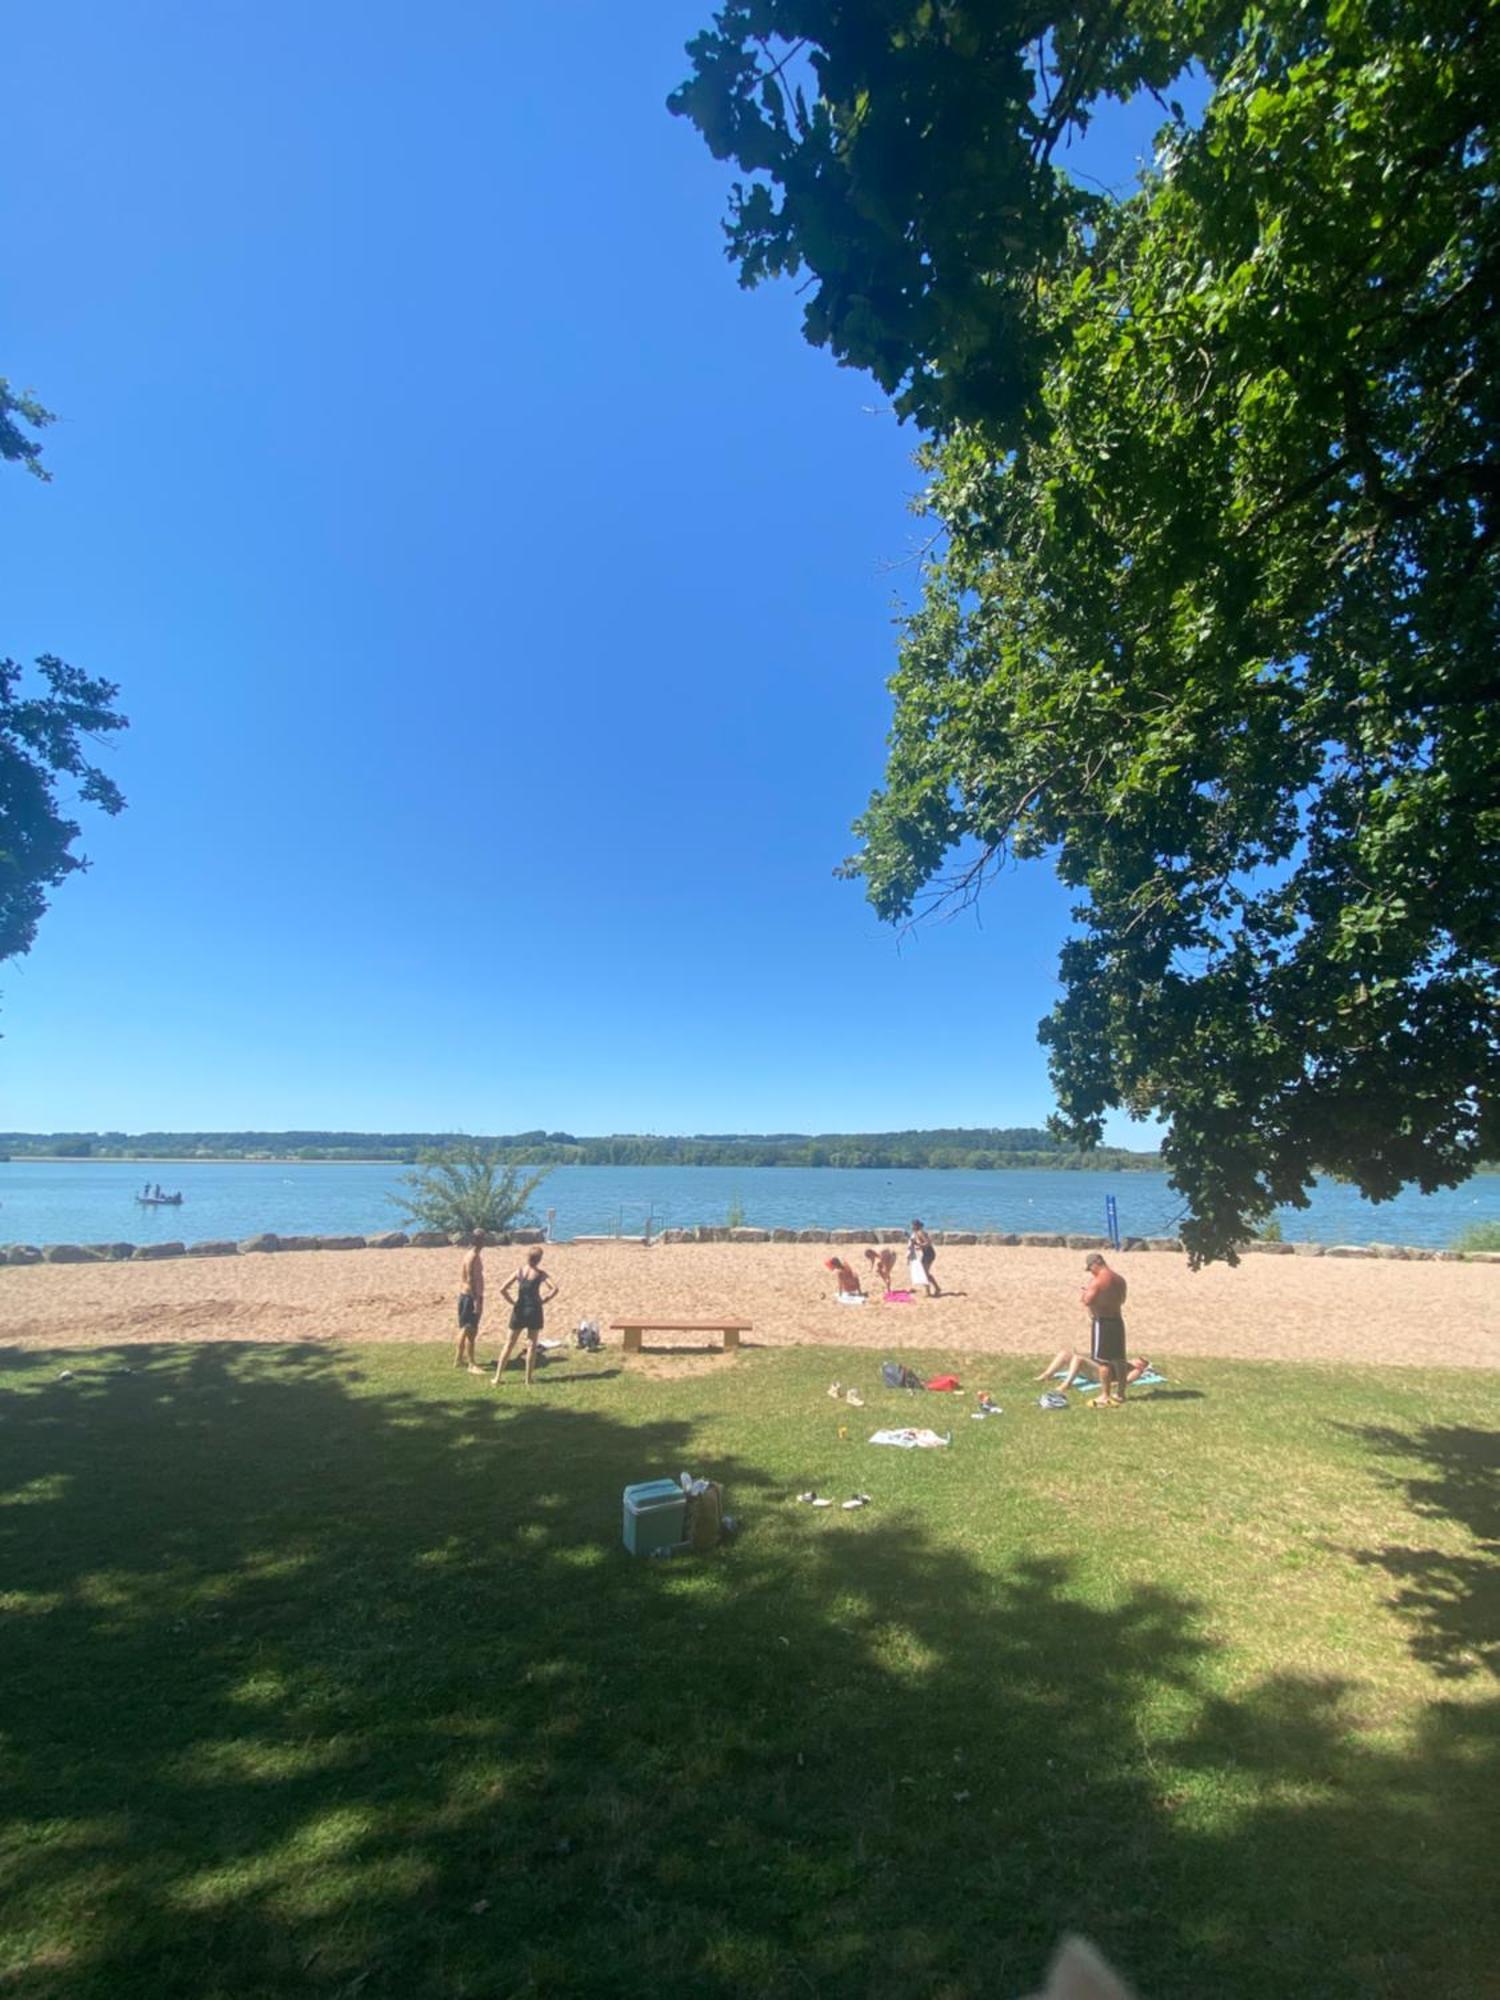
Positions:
{"x": 42, "y": 739}
{"x": 1208, "y": 616}
{"x": 45, "y": 722}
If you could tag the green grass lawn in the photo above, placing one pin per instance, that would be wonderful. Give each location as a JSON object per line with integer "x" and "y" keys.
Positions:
{"x": 323, "y": 1672}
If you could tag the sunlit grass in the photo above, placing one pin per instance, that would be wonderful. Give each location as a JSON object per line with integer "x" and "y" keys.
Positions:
{"x": 324, "y": 1672}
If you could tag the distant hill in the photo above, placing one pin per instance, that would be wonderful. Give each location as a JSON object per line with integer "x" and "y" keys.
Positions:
{"x": 981, "y": 1147}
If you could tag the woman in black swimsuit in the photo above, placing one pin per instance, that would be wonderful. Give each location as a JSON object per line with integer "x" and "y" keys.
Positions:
{"x": 524, "y": 1290}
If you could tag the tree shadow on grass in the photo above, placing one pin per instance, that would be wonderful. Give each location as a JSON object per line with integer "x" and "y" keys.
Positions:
{"x": 316, "y": 1686}
{"x": 1451, "y": 1473}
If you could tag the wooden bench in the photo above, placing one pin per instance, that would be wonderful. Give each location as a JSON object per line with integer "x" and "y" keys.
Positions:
{"x": 634, "y": 1328}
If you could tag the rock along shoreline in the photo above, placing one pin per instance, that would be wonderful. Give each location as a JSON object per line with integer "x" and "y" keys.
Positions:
{"x": 395, "y": 1239}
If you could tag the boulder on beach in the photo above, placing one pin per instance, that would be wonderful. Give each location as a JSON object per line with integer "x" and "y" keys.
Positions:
{"x": 265, "y": 1242}
{"x": 151, "y": 1253}
{"x": 390, "y": 1239}
{"x": 68, "y": 1253}
{"x": 215, "y": 1248}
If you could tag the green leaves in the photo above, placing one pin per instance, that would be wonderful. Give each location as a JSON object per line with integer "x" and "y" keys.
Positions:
{"x": 42, "y": 736}
{"x": 18, "y": 409}
{"x": 1215, "y": 480}
{"x": 460, "y": 1189}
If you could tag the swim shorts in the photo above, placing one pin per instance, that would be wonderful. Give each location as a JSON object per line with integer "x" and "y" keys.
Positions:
{"x": 1109, "y": 1341}
{"x": 468, "y": 1309}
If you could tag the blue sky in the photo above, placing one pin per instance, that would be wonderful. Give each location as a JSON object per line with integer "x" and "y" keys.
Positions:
{"x": 502, "y": 600}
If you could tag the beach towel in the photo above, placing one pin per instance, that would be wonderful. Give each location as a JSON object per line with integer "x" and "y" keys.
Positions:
{"x": 1088, "y": 1381}
{"x": 945, "y": 1383}
{"x": 898, "y": 1298}
{"x": 909, "y": 1440}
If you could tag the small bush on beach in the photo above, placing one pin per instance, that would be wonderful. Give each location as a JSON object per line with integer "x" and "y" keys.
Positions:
{"x": 1480, "y": 1236}
{"x": 465, "y": 1188}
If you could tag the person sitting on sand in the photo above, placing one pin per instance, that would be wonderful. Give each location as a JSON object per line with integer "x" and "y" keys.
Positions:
{"x": 470, "y": 1303}
{"x": 883, "y": 1265}
{"x": 524, "y": 1290}
{"x": 1071, "y": 1364}
{"x": 848, "y": 1284}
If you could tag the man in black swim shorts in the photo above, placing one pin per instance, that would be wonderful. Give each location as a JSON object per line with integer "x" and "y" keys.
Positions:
{"x": 1103, "y": 1298}
{"x": 470, "y": 1303}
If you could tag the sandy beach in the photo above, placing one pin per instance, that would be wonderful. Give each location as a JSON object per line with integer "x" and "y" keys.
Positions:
{"x": 1000, "y": 1301}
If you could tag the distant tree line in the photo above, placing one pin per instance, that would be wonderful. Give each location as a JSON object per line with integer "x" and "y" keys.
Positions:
{"x": 981, "y": 1147}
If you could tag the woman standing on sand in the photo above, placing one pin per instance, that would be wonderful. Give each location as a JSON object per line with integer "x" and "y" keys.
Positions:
{"x": 920, "y": 1257}
{"x": 524, "y": 1291}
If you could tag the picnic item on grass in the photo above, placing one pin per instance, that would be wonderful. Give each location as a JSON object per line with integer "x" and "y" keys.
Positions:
{"x": 1052, "y": 1401}
{"x": 943, "y": 1384}
{"x": 655, "y": 1516}
{"x": 895, "y": 1376}
{"x": 911, "y": 1440}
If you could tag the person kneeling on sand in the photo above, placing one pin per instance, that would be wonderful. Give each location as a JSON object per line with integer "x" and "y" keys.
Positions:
{"x": 524, "y": 1290}
{"x": 848, "y": 1284}
{"x": 882, "y": 1265}
{"x": 1069, "y": 1363}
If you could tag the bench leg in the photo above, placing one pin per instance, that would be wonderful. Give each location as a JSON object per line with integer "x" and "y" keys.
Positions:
{"x": 632, "y": 1340}
{"x": 731, "y": 1340}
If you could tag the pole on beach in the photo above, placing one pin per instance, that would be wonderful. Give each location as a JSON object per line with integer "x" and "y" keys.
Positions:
{"x": 1112, "y": 1222}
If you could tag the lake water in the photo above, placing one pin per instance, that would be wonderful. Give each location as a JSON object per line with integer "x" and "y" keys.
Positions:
{"x": 43, "y": 1201}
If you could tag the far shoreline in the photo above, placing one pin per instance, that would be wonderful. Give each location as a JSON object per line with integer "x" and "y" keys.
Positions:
{"x": 1149, "y": 1163}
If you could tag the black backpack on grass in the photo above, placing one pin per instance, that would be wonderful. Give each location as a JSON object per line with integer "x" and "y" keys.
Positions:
{"x": 895, "y": 1376}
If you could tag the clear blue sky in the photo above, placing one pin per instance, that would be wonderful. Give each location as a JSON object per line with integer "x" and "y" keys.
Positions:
{"x": 502, "y": 600}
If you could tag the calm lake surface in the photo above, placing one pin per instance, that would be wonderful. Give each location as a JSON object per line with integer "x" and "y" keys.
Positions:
{"x": 43, "y": 1201}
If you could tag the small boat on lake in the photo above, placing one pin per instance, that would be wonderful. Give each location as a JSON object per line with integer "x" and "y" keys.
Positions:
{"x": 153, "y": 1197}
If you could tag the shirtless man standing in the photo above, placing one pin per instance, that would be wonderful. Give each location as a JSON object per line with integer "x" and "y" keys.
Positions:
{"x": 470, "y": 1303}
{"x": 1103, "y": 1298}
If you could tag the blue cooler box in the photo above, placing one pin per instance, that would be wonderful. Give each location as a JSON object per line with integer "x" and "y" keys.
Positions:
{"x": 655, "y": 1516}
